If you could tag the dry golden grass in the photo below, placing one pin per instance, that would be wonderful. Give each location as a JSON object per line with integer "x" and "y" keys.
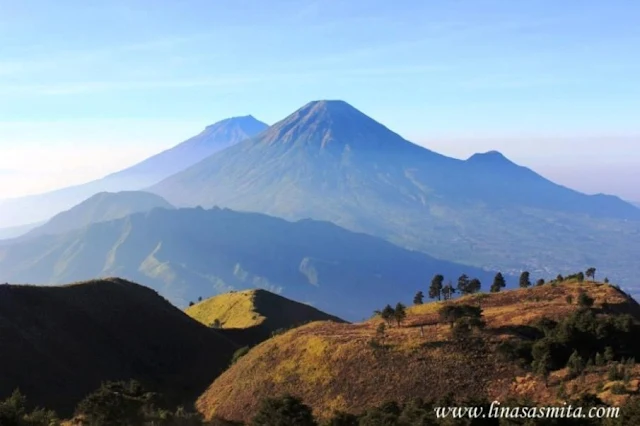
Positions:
{"x": 334, "y": 366}
{"x": 233, "y": 310}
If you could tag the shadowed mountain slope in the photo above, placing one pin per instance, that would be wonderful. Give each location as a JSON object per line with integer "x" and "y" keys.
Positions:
{"x": 188, "y": 253}
{"x": 36, "y": 208}
{"x": 329, "y": 161}
{"x": 60, "y": 343}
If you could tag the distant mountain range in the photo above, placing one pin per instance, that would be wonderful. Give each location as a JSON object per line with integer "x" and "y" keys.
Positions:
{"x": 41, "y": 207}
{"x": 16, "y": 231}
{"x": 102, "y": 207}
{"x": 189, "y": 253}
{"x": 329, "y": 161}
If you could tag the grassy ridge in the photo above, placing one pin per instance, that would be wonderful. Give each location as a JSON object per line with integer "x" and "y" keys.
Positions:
{"x": 337, "y": 367}
{"x": 252, "y": 316}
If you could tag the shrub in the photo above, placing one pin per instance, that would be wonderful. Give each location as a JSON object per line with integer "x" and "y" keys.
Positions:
{"x": 575, "y": 364}
{"x": 286, "y": 410}
{"x": 584, "y": 301}
{"x": 616, "y": 372}
{"x": 618, "y": 389}
{"x": 239, "y": 354}
{"x": 451, "y": 313}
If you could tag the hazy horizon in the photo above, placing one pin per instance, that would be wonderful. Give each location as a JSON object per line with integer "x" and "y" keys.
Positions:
{"x": 532, "y": 80}
{"x": 601, "y": 165}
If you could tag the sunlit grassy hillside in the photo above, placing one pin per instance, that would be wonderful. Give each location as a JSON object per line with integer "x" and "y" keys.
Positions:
{"x": 351, "y": 367}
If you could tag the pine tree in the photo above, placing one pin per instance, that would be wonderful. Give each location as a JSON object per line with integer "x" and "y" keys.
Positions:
{"x": 608, "y": 354}
{"x": 575, "y": 364}
{"x": 475, "y": 285}
{"x": 448, "y": 291}
{"x": 387, "y": 313}
{"x": 435, "y": 290}
{"x": 418, "y": 299}
{"x": 591, "y": 273}
{"x": 400, "y": 313}
{"x": 498, "y": 283}
{"x": 524, "y": 279}
{"x": 463, "y": 284}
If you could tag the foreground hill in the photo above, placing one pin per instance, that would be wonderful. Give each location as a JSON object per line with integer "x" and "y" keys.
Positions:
{"x": 329, "y": 161}
{"x": 102, "y": 207}
{"x": 60, "y": 343}
{"x": 213, "y": 138}
{"x": 251, "y": 316}
{"x": 353, "y": 367}
{"x": 188, "y": 253}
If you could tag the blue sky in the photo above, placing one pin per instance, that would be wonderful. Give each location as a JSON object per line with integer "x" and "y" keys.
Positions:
{"x": 89, "y": 87}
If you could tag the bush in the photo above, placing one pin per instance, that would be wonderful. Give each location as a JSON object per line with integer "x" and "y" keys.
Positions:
{"x": 618, "y": 389}
{"x": 616, "y": 372}
{"x": 515, "y": 351}
{"x": 575, "y": 364}
{"x": 239, "y": 354}
{"x": 116, "y": 403}
{"x": 584, "y": 301}
{"x": 286, "y": 410}
{"x": 13, "y": 411}
{"x": 451, "y": 313}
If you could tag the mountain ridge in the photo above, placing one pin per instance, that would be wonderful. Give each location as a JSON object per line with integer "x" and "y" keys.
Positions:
{"x": 188, "y": 253}
{"x": 40, "y": 207}
{"x": 67, "y": 340}
{"x": 352, "y": 368}
{"x": 101, "y": 207}
{"x": 486, "y": 211}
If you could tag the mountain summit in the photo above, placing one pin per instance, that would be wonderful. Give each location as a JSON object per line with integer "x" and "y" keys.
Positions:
{"x": 332, "y": 124}
{"x": 216, "y": 137}
{"x": 212, "y": 139}
{"x": 329, "y": 161}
